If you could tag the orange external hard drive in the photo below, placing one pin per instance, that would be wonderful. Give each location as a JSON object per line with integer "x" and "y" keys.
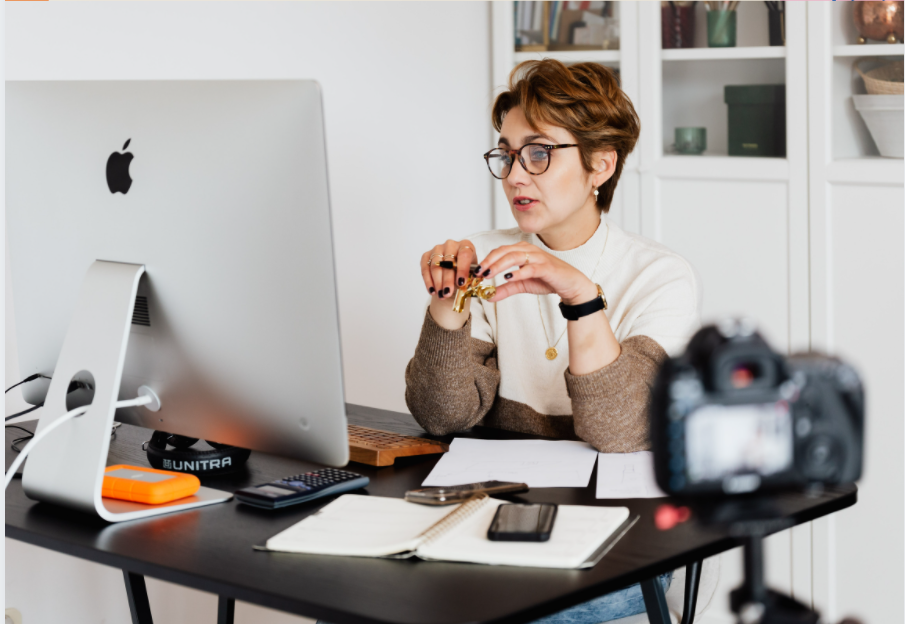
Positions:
{"x": 147, "y": 485}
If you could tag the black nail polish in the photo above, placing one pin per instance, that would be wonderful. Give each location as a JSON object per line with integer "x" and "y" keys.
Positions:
{"x": 431, "y": 290}
{"x": 461, "y": 281}
{"x": 440, "y": 294}
{"x": 485, "y": 273}
{"x": 508, "y": 276}
{"x": 477, "y": 269}
{"x": 446, "y": 290}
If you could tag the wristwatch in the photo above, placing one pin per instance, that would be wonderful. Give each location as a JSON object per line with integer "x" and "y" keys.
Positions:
{"x": 575, "y": 312}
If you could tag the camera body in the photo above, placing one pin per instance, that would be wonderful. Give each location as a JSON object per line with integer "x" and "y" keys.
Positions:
{"x": 731, "y": 416}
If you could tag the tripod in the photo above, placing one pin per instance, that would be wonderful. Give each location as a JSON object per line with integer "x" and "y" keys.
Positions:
{"x": 753, "y": 519}
{"x": 753, "y": 603}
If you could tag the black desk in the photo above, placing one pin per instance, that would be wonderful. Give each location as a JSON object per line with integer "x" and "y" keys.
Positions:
{"x": 210, "y": 549}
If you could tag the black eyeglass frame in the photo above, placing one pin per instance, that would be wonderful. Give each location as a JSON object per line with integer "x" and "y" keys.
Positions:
{"x": 518, "y": 152}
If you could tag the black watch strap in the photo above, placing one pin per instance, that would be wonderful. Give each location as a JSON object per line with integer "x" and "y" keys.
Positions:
{"x": 575, "y": 312}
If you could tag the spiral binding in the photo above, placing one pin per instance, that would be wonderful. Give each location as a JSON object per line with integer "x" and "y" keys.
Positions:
{"x": 465, "y": 511}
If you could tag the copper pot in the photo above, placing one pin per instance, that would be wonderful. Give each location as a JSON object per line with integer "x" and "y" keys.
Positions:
{"x": 879, "y": 20}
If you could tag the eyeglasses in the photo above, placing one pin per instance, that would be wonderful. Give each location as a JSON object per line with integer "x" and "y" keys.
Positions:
{"x": 499, "y": 160}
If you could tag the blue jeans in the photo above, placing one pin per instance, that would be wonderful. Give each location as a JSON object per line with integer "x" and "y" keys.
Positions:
{"x": 618, "y": 604}
{"x": 612, "y": 606}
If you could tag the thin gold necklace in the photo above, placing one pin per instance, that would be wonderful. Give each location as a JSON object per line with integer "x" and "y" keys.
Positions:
{"x": 551, "y": 351}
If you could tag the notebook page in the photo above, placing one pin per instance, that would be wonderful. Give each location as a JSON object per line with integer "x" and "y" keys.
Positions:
{"x": 362, "y": 526}
{"x": 577, "y": 532}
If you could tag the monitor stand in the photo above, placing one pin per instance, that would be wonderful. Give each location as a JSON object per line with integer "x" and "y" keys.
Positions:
{"x": 67, "y": 467}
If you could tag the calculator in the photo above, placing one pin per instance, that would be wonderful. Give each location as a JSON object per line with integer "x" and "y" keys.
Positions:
{"x": 301, "y": 488}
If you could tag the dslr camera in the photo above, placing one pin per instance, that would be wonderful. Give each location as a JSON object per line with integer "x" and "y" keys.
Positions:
{"x": 732, "y": 416}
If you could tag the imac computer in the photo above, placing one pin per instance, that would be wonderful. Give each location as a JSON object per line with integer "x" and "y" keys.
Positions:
{"x": 172, "y": 235}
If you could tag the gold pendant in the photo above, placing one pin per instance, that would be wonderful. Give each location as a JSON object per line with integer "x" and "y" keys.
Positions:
{"x": 551, "y": 353}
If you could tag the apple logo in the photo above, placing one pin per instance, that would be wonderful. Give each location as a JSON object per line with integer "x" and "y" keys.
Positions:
{"x": 118, "y": 178}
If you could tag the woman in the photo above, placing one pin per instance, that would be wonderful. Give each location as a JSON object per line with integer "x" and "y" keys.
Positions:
{"x": 564, "y": 135}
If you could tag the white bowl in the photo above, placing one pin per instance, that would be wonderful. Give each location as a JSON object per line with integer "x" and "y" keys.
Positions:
{"x": 883, "y": 115}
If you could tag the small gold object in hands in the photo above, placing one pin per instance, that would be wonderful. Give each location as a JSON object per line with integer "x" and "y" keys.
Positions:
{"x": 472, "y": 288}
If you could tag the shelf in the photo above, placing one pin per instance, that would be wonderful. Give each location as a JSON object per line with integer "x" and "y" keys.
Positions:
{"x": 867, "y": 49}
{"x": 571, "y": 56}
{"x": 721, "y": 54}
{"x": 873, "y": 170}
{"x": 722, "y": 168}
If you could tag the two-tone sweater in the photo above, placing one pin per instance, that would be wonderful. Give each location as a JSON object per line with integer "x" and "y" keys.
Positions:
{"x": 494, "y": 371}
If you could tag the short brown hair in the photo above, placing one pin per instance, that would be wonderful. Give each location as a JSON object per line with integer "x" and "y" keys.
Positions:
{"x": 585, "y": 99}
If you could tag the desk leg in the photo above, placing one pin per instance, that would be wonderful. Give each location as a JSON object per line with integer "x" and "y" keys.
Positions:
{"x": 655, "y": 601}
{"x": 692, "y": 582}
{"x": 226, "y": 610}
{"x": 139, "y": 606}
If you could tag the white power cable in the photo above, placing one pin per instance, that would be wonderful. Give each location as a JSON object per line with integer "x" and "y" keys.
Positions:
{"x": 142, "y": 400}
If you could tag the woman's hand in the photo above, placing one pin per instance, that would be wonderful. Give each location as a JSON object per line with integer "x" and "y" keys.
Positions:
{"x": 592, "y": 344}
{"x": 539, "y": 274}
{"x": 442, "y": 283}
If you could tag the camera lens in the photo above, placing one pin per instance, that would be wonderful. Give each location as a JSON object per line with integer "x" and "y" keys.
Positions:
{"x": 822, "y": 458}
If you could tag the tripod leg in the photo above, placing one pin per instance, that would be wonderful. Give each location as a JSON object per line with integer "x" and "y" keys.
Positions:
{"x": 692, "y": 583}
{"x": 655, "y": 601}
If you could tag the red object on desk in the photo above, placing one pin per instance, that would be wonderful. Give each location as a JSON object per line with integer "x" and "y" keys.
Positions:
{"x": 668, "y": 516}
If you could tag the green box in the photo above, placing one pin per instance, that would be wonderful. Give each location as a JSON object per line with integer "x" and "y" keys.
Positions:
{"x": 757, "y": 119}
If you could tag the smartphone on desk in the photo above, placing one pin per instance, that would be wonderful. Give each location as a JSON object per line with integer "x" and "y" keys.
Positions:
{"x": 452, "y": 494}
{"x": 522, "y": 522}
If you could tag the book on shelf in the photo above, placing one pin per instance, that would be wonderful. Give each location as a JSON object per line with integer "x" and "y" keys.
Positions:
{"x": 566, "y": 25}
{"x": 531, "y": 21}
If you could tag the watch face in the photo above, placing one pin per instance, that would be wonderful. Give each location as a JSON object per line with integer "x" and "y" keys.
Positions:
{"x": 602, "y": 296}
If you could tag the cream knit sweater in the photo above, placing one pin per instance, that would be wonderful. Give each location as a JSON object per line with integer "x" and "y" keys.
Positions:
{"x": 494, "y": 372}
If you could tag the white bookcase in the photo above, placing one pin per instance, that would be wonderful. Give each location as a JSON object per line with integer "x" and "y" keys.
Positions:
{"x": 810, "y": 246}
{"x": 856, "y": 243}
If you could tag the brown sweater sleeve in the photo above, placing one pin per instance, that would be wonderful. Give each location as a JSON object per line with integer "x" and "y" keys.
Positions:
{"x": 452, "y": 381}
{"x": 609, "y": 406}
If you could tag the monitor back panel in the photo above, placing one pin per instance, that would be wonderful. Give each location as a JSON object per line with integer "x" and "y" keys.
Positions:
{"x": 236, "y": 324}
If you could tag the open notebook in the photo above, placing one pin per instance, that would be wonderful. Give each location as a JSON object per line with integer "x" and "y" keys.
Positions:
{"x": 374, "y": 526}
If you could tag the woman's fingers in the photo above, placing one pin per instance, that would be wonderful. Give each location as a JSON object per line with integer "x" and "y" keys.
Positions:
{"x": 436, "y": 271}
{"x": 492, "y": 257}
{"x": 450, "y": 249}
{"x": 515, "y": 258}
{"x": 531, "y": 271}
{"x": 465, "y": 256}
{"x": 491, "y": 265}
{"x": 426, "y": 272}
{"x": 444, "y": 280}
{"x": 524, "y": 286}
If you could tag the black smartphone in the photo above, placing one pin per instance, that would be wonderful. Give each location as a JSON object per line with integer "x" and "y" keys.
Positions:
{"x": 522, "y": 522}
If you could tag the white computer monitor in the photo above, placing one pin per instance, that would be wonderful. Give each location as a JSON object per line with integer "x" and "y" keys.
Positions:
{"x": 236, "y": 324}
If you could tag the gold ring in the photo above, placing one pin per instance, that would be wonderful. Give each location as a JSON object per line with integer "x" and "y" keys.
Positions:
{"x": 526, "y": 258}
{"x": 450, "y": 256}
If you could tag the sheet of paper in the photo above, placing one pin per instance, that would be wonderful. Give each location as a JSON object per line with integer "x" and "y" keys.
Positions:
{"x": 539, "y": 463}
{"x": 627, "y": 475}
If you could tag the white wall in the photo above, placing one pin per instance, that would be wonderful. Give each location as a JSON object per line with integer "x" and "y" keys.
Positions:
{"x": 410, "y": 80}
